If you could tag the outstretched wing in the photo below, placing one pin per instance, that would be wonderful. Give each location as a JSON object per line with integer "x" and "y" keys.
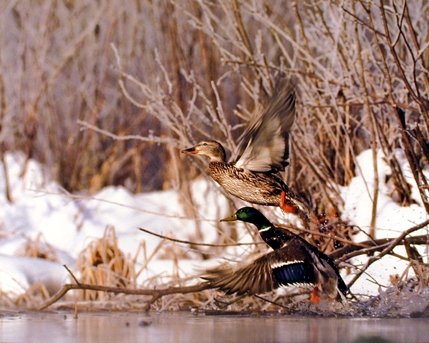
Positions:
{"x": 253, "y": 278}
{"x": 265, "y": 142}
{"x": 262, "y": 275}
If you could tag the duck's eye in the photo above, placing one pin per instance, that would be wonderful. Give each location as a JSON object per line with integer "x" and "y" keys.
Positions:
{"x": 204, "y": 144}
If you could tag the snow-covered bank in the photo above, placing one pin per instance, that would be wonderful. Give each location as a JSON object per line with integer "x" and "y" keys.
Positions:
{"x": 391, "y": 218}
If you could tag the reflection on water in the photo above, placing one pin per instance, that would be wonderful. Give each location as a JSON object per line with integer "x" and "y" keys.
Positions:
{"x": 185, "y": 327}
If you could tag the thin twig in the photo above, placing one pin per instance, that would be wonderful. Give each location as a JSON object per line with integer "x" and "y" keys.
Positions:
{"x": 116, "y": 203}
{"x": 327, "y": 235}
{"x": 151, "y": 139}
{"x": 72, "y": 275}
{"x": 269, "y": 301}
{"x": 360, "y": 21}
{"x": 196, "y": 243}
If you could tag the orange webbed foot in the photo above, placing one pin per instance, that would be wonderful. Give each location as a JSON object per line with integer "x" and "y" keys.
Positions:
{"x": 284, "y": 206}
{"x": 314, "y": 296}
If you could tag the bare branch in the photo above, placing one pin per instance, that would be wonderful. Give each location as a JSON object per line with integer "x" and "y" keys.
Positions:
{"x": 155, "y": 293}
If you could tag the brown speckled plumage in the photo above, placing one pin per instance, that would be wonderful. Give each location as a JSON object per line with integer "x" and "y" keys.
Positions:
{"x": 254, "y": 175}
{"x": 236, "y": 182}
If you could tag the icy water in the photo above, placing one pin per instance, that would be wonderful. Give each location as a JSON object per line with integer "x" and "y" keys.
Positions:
{"x": 186, "y": 327}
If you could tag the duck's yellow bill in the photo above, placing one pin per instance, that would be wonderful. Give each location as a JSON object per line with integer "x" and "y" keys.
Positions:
{"x": 231, "y": 218}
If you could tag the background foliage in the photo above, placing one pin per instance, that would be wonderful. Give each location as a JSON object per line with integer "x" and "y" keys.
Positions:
{"x": 174, "y": 72}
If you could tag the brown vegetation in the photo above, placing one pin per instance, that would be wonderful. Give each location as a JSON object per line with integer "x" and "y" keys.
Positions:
{"x": 361, "y": 70}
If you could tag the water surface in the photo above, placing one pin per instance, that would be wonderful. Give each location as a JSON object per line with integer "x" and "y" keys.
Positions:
{"x": 63, "y": 327}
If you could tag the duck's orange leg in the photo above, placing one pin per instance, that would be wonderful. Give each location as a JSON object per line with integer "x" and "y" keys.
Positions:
{"x": 284, "y": 206}
{"x": 314, "y": 296}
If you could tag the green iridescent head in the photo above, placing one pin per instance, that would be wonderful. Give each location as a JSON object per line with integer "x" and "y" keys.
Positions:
{"x": 248, "y": 215}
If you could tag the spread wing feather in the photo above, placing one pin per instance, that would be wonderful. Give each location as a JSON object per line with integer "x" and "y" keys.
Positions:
{"x": 261, "y": 275}
{"x": 253, "y": 278}
{"x": 264, "y": 144}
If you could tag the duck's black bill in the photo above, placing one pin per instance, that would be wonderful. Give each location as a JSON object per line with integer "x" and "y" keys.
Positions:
{"x": 231, "y": 218}
{"x": 189, "y": 151}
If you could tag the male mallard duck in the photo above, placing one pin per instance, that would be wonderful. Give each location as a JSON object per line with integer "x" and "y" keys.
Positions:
{"x": 253, "y": 176}
{"x": 294, "y": 261}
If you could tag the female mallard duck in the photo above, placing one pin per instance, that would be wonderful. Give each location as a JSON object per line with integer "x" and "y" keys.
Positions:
{"x": 293, "y": 262}
{"x": 253, "y": 176}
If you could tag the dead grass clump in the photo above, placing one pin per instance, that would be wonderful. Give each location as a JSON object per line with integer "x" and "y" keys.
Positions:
{"x": 33, "y": 296}
{"x": 103, "y": 263}
{"x": 173, "y": 252}
{"x": 38, "y": 248}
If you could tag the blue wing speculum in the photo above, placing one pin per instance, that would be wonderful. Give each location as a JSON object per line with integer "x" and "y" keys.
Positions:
{"x": 297, "y": 273}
